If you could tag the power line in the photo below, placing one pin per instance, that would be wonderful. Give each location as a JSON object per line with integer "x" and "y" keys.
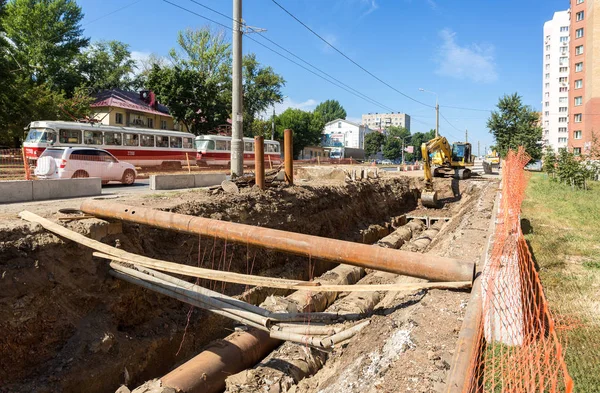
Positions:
{"x": 347, "y": 57}
{"x": 347, "y": 88}
{"x": 112, "y": 12}
{"x": 466, "y": 109}
{"x": 364, "y": 96}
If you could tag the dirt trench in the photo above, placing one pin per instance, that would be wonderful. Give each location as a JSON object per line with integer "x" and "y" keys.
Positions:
{"x": 69, "y": 327}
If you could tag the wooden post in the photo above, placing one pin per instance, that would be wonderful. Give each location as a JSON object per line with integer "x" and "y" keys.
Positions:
{"x": 288, "y": 152}
{"x": 259, "y": 161}
{"x": 270, "y": 163}
{"x": 188, "y": 162}
{"x": 319, "y": 160}
{"x": 26, "y": 165}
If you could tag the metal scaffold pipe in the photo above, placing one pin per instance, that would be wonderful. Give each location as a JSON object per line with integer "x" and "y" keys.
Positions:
{"x": 429, "y": 267}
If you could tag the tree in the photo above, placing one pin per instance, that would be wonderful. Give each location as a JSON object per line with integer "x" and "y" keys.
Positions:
{"x": 192, "y": 98}
{"x": 331, "y": 110}
{"x": 417, "y": 139}
{"x": 204, "y": 50}
{"x": 373, "y": 143}
{"x": 261, "y": 128}
{"x": 47, "y": 36}
{"x": 262, "y": 88}
{"x": 392, "y": 149}
{"x": 514, "y": 125}
{"x": 549, "y": 159}
{"x": 307, "y": 127}
{"x": 107, "y": 65}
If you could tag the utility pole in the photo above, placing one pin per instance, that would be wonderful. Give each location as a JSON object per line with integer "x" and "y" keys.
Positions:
{"x": 273, "y": 125}
{"x": 437, "y": 117}
{"x": 466, "y": 135}
{"x": 237, "y": 110}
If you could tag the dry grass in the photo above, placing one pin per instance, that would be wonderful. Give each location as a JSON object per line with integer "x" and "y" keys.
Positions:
{"x": 564, "y": 237}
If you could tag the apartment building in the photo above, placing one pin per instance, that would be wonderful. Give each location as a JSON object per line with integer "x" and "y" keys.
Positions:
{"x": 555, "y": 92}
{"x": 383, "y": 120}
{"x": 584, "y": 105}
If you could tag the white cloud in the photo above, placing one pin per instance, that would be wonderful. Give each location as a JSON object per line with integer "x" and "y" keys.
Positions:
{"x": 140, "y": 57}
{"x": 475, "y": 62}
{"x": 307, "y": 105}
{"x": 432, "y": 4}
{"x": 372, "y": 4}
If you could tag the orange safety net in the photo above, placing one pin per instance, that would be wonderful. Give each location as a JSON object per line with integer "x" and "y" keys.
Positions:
{"x": 520, "y": 350}
{"x": 14, "y": 165}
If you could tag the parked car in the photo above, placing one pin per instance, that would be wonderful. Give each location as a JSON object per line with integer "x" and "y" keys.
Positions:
{"x": 386, "y": 162}
{"x": 78, "y": 162}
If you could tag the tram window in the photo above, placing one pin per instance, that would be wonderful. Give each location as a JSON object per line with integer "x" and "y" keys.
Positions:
{"x": 112, "y": 138}
{"x": 271, "y": 148}
{"x": 228, "y": 145}
{"x": 147, "y": 140}
{"x": 188, "y": 143}
{"x": 70, "y": 136}
{"x": 175, "y": 142}
{"x": 248, "y": 146}
{"x": 221, "y": 145}
{"x": 131, "y": 139}
{"x": 92, "y": 137}
{"x": 162, "y": 141}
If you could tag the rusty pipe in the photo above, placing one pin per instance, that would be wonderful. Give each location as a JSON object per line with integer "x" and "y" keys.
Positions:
{"x": 259, "y": 161}
{"x": 429, "y": 267}
{"x": 288, "y": 155}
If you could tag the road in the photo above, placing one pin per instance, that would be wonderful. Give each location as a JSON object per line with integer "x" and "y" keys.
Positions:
{"x": 140, "y": 185}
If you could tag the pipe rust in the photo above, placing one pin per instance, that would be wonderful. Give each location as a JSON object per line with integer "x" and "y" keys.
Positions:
{"x": 429, "y": 267}
{"x": 288, "y": 155}
{"x": 259, "y": 161}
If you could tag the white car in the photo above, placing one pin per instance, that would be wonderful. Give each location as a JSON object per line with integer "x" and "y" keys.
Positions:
{"x": 77, "y": 162}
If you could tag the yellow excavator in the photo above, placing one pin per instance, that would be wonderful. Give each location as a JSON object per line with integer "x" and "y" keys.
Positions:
{"x": 451, "y": 160}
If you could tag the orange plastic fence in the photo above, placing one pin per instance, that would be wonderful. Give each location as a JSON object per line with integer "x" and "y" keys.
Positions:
{"x": 520, "y": 350}
{"x": 13, "y": 165}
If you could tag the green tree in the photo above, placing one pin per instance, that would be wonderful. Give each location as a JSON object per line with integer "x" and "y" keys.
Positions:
{"x": 107, "y": 65}
{"x": 261, "y": 128}
{"x": 307, "y": 127}
{"x": 192, "y": 98}
{"x": 549, "y": 161}
{"x": 331, "y": 110}
{"x": 373, "y": 143}
{"x": 392, "y": 148}
{"x": 417, "y": 139}
{"x": 47, "y": 36}
{"x": 514, "y": 125}
{"x": 204, "y": 50}
{"x": 262, "y": 88}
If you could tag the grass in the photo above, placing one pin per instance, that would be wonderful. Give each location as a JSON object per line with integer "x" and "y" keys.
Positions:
{"x": 565, "y": 241}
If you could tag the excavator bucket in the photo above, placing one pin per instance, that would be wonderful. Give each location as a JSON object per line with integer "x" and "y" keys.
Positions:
{"x": 429, "y": 199}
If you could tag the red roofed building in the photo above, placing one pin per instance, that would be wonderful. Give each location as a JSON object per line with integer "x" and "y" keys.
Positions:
{"x": 118, "y": 107}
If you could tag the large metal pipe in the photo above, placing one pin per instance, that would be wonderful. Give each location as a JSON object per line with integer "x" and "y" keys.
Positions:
{"x": 288, "y": 156}
{"x": 430, "y": 267}
{"x": 259, "y": 161}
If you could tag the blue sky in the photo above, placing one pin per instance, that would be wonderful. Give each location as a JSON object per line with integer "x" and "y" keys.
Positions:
{"x": 470, "y": 52}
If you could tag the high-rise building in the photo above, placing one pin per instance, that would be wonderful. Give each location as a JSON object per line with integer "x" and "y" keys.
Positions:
{"x": 584, "y": 78}
{"x": 555, "y": 92}
{"x": 383, "y": 120}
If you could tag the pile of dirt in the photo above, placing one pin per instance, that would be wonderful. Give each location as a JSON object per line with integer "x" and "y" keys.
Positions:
{"x": 69, "y": 326}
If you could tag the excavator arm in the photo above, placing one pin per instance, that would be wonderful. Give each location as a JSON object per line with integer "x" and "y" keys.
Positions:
{"x": 441, "y": 145}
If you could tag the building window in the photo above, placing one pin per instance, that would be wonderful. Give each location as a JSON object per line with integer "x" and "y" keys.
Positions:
{"x": 547, "y": 67}
{"x": 562, "y": 119}
{"x": 579, "y": 50}
{"x": 562, "y": 100}
{"x": 562, "y": 129}
{"x": 579, "y": 33}
{"x": 578, "y": 100}
{"x": 339, "y": 124}
{"x": 577, "y": 151}
{"x": 564, "y": 50}
{"x": 579, "y": 2}
{"x": 564, "y": 39}
{"x": 547, "y": 76}
{"x": 577, "y": 118}
{"x": 562, "y": 79}
{"x": 564, "y": 28}
{"x": 163, "y": 124}
{"x": 562, "y": 109}
{"x": 546, "y": 113}
{"x": 118, "y": 118}
{"x": 562, "y": 140}
{"x": 150, "y": 123}
{"x": 562, "y": 89}
{"x": 579, "y": 16}
{"x": 547, "y": 94}
{"x": 547, "y": 104}
{"x": 563, "y": 61}
{"x": 577, "y": 134}
{"x": 579, "y": 83}
{"x": 546, "y": 85}
{"x": 563, "y": 69}
{"x": 579, "y": 67}
{"x": 547, "y": 57}
{"x": 547, "y": 47}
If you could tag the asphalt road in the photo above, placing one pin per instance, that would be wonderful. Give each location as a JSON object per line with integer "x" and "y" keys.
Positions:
{"x": 140, "y": 185}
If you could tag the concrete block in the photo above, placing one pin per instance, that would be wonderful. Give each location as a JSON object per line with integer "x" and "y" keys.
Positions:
{"x": 209, "y": 179}
{"x": 16, "y": 191}
{"x": 315, "y": 172}
{"x": 66, "y": 188}
{"x": 172, "y": 182}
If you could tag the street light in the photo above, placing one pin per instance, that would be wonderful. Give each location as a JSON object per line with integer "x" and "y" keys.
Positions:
{"x": 437, "y": 111}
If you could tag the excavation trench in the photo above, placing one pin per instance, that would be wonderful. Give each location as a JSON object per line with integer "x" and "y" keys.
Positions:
{"x": 69, "y": 326}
